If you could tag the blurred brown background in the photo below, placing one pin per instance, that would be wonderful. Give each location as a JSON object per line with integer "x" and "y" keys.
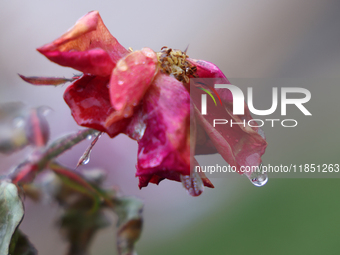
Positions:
{"x": 249, "y": 40}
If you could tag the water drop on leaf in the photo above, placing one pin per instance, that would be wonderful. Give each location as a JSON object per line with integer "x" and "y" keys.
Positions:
{"x": 85, "y": 158}
{"x": 18, "y": 122}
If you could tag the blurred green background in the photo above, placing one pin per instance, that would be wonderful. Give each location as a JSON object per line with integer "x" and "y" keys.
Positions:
{"x": 247, "y": 39}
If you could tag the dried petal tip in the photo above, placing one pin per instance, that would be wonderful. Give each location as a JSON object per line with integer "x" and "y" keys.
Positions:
{"x": 126, "y": 88}
{"x": 37, "y": 80}
{"x": 88, "y": 47}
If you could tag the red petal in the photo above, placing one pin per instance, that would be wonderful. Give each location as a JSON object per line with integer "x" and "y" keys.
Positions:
{"x": 95, "y": 61}
{"x": 130, "y": 80}
{"x": 164, "y": 149}
{"x": 88, "y": 99}
{"x": 204, "y": 145}
{"x": 238, "y": 145}
{"x": 206, "y": 69}
{"x": 87, "y": 34}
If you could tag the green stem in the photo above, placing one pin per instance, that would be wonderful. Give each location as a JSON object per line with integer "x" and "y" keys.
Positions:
{"x": 26, "y": 172}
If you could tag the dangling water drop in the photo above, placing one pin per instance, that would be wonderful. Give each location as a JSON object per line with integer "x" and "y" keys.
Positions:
{"x": 193, "y": 184}
{"x": 44, "y": 110}
{"x": 18, "y": 122}
{"x": 259, "y": 177}
{"x": 85, "y": 158}
{"x": 260, "y": 180}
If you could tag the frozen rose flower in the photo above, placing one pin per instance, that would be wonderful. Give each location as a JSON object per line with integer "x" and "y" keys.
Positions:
{"x": 146, "y": 95}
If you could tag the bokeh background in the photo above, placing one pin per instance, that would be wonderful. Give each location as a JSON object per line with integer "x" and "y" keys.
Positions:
{"x": 296, "y": 41}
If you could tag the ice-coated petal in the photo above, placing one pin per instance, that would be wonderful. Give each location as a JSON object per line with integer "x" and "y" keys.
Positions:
{"x": 88, "y": 47}
{"x": 130, "y": 80}
{"x": 89, "y": 101}
{"x": 239, "y": 144}
{"x": 205, "y": 180}
{"x": 164, "y": 149}
{"x": 194, "y": 129}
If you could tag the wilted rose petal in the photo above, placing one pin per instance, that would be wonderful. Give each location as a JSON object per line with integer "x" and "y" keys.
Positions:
{"x": 127, "y": 88}
{"x": 87, "y": 47}
{"x": 145, "y": 95}
{"x": 206, "y": 69}
{"x": 164, "y": 149}
{"x": 239, "y": 144}
{"x": 93, "y": 61}
{"x": 89, "y": 101}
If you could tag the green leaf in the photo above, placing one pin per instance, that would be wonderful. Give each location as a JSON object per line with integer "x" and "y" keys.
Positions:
{"x": 27, "y": 170}
{"x": 11, "y": 214}
{"x": 130, "y": 223}
{"x": 79, "y": 227}
{"x": 20, "y": 245}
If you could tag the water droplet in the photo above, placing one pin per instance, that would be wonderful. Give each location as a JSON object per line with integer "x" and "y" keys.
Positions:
{"x": 120, "y": 83}
{"x": 258, "y": 178}
{"x": 85, "y": 158}
{"x": 44, "y": 110}
{"x": 261, "y": 133}
{"x": 18, "y": 122}
{"x": 126, "y": 115}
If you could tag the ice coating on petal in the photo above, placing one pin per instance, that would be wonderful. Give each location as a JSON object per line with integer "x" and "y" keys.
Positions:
{"x": 193, "y": 184}
{"x": 164, "y": 150}
{"x": 194, "y": 129}
{"x": 89, "y": 101}
{"x": 239, "y": 145}
{"x": 88, "y": 42}
{"x": 202, "y": 175}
